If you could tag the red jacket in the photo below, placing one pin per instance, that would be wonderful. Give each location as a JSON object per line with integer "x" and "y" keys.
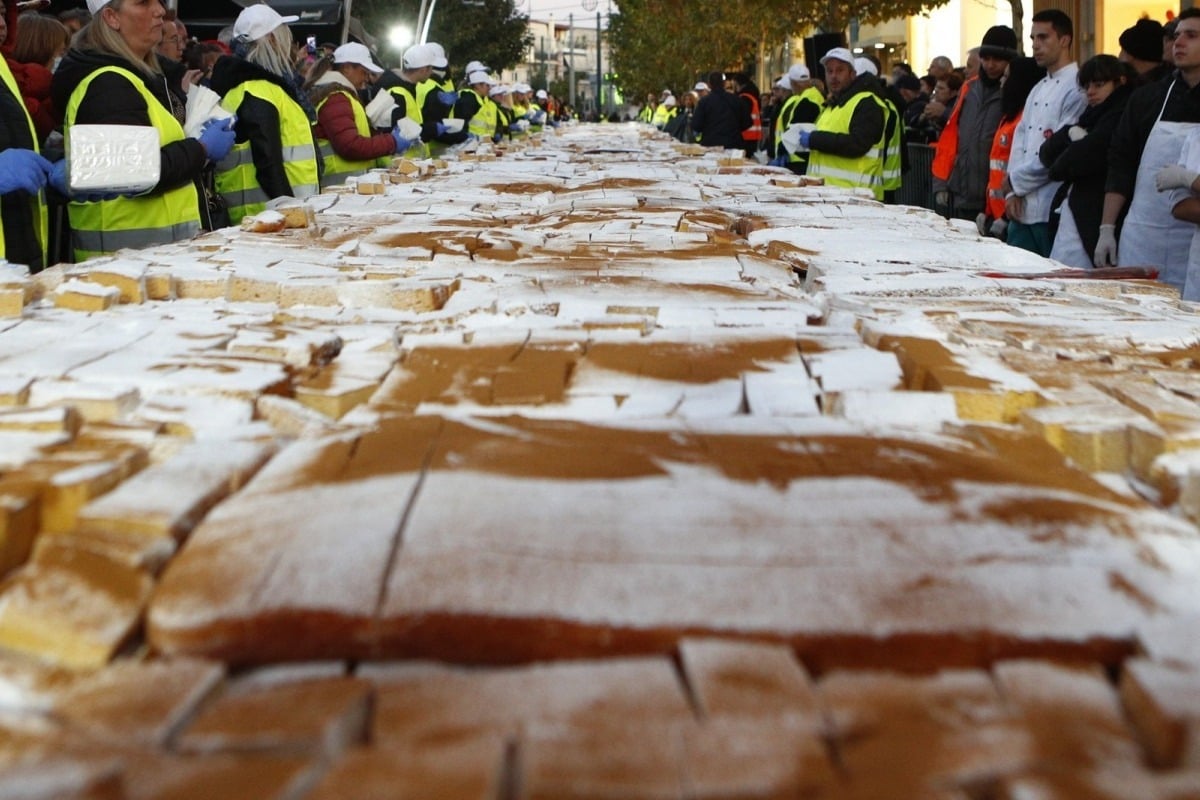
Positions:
{"x": 947, "y": 143}
{"x": 34, "y": 82}
{"x": 335, "y": 123}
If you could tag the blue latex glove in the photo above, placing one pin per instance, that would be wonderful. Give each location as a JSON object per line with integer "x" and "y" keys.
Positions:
{"x": 23, "y": 171}
{"x": 218, "y": 138}
{"x": 497, "y": 137}
{"x": 402, "y": 144}
{"x": 441, "y": 129}
{"x": 447, "y": 98}
{"x": 779, "y": 160}
{"x": 514, "y": 128}
{"x": 58, "y": 177}
{"x": 804, "y": 137}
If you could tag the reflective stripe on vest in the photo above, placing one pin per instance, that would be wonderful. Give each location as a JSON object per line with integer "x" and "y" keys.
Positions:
{"x": 998, "y": 166}
{"x": 411, "y": 111}
{"x": 754, "y": 132}
{"x": 132, "y": 222}
{"x": 813, "y": 95}
{"x": 892, "y": 162}
{"x": 483, "y": 123}
{"x": 337, "y": 169}
{"x": 237, "y": 177}
{"x": 866, "y": 171}
{"x": 41, "y": 217}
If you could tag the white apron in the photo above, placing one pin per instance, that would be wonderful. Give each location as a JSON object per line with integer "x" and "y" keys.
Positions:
{"x": 1068, "y": 247}
{"x": 1151, "y": 237}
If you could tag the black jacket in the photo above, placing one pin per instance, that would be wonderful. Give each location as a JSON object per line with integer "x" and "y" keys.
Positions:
{"x": 17, "y": 212}
{"x": 720, "y": 118}
{"x": 1133, "y": 129}
{"x": 1083, "y": 165}
{"x": 866, "y": 125}
{"x": 112, "y": 101}
{"x": 258, "y": 121}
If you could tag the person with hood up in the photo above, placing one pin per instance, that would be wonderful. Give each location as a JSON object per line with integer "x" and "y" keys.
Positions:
{"x": 348, "y": 145}
{"x": 111, "y": 76}
{"x": 847, "y": 144}
{"x": 276, "y": 153}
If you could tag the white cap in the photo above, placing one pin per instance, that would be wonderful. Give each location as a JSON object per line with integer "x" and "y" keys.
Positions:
{"x": 839, "y": 53}
{"x": 476, "y": 66}
{"x": 94, "y": 6}
{"x": 701, "y": 87}
{"x": 522, "y": 88}
{"x": 500, "y": 89}
{"x": 798, "y": 72}
{"x": 417, "y": 56}
{"x": 438, "y": 54}
{"x": 479, "y": 76}
{"x": 864, "y": 65}
{"x": 783, "y": 83}
{"x": 355, "y": 53}
{"x": 541, "y": 94}
{"x": 255, "y": 22}
{"x": 669, "y": 102}
{"x": 665, "y": 93}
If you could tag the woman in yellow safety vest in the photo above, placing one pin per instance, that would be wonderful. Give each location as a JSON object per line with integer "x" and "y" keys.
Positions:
{"x": 23, "y": 175}
{"x": 112, "y": 77}
{"x": 276, "y": 152}
{"x": 348, "y": 145}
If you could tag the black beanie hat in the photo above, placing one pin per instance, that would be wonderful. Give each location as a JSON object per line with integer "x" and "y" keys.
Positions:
{"x": 1000, "y": 41}
{"x": 1144, "y": 40}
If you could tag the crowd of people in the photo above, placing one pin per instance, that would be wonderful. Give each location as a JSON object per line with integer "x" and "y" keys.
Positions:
{"x": 1094, "y": 164}
{"x": 295, "y": 119}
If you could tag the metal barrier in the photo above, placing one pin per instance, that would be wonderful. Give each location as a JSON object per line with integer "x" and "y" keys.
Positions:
{"x": 916, "y": 185}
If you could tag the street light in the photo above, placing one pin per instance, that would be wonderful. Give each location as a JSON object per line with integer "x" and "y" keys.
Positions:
{"x": 400, "y": 37}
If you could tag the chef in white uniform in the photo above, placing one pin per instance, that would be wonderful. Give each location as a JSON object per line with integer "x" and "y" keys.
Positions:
{"x": 1152, "y": 135}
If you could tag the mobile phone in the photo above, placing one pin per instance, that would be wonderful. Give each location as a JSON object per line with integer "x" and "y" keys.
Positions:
{"x": 312, "y": 45}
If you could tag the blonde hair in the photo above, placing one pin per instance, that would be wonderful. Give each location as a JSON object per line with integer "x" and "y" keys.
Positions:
{"x": 98, "y": 36}
{"x": 273, "y": 52}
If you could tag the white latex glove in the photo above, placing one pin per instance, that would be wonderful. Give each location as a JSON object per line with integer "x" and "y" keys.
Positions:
{"x": 1106, "y": 247}
{"x": 942, "y": 198}
{"x": 999, "y": 228}
{"x": 1075, "y": 133}
{"x": 981, "y": 224}
{"x": 1174, "y": 176}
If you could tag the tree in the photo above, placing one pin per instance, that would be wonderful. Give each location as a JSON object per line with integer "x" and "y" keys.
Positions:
{"x": 718, "y": 35}
{"x": 490, "y": 31}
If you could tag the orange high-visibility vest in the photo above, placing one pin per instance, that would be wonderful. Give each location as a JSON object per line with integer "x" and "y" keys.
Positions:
{"x": 998, "y": 166}
{"x": 754, "y": 132}
{"x": 947, "y": 143}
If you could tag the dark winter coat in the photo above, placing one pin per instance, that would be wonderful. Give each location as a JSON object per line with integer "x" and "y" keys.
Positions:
{"x": 720, "y": 118}
{"x": 1083, "y": 165}
{"x": 258, "y": 121}
{"x": 111, "y": 100}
